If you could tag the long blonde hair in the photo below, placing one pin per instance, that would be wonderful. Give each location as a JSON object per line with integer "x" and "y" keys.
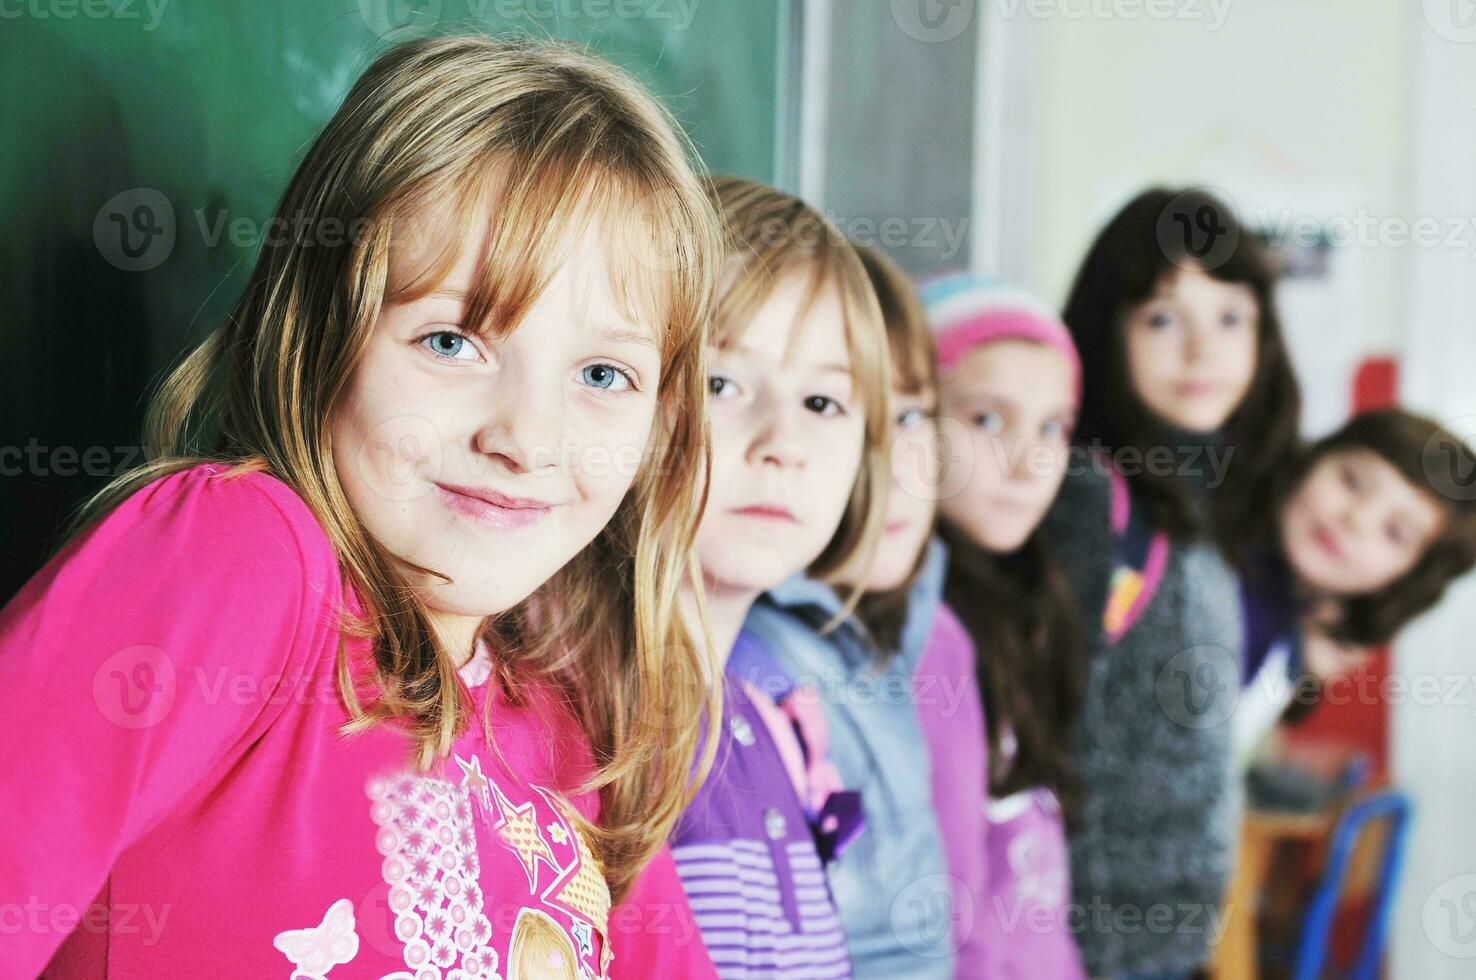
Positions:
{"x": 770, "y": 235}
{"x": 559, "y": 138}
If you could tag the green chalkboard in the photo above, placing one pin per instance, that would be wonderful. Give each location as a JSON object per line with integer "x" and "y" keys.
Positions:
{"x": 205, "y": 109}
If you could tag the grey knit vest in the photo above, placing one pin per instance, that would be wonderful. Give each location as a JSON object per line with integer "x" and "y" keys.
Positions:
{"x": 1151, "y": 855}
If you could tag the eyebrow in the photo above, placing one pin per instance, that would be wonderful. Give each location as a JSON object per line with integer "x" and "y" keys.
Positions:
{"x": 745, "y": 349}
{"x": 629, "y": 335}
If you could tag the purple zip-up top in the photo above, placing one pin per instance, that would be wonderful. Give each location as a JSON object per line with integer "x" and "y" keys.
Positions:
{"x": 748, "y": 849}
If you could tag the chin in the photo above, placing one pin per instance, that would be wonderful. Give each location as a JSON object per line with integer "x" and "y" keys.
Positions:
{"x": 1201, "y": 422}
{"x": 473, "y": 602}
{"x": 885, "y": 579}
{"x": 759, "y": 574}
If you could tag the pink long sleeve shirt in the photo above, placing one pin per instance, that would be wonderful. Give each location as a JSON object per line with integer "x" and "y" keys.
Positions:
{"x": 1008, "y": 858}
{"x": 177, "y": 800}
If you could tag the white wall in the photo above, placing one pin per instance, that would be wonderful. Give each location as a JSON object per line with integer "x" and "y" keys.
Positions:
{"x": 1434, "y": 753}
{"x": 1288, "y": 107}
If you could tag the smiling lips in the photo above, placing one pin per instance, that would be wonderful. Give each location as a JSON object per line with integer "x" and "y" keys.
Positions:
{"x": 1197, "y": 389}
{"x": 1327, "y": 541}
{"x": 493, "y": 509}
{"x": 776, "y": 513}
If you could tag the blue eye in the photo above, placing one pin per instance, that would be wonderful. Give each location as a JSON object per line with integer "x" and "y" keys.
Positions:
{"x": 721, "y": 387}
{"x": 1160, "y": 321}
{"x": 822, "y": 405}
{"x": 911, "y": 418}
{"x": 605, "y": 377}
{"x": 989, "y": 421}
{"x": 450, "y": 345}
{"x": 1053, "y": 429}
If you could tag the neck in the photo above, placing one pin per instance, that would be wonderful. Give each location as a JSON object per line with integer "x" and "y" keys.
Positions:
{"x": 458, "y": 634}
{"x": 726, "y": 608}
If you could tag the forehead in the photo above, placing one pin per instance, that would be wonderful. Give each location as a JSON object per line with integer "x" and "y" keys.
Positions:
{"x": 1387, "y": 484}
{"x": 799, "y": 322}
{"x": 1193, "y": 283}
{"x": 1019, "y": 370}
{"x": 454, "y": 250}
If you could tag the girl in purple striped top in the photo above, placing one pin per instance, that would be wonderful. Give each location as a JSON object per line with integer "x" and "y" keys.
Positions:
{"x": 799, "y": 411}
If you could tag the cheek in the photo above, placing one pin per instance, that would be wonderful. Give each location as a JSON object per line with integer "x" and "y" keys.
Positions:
{"x": 726, "y": 457}
{"x": 1382, "y": 565}
{"x": 972, "y": 474}
{"x": 1240, "y": 354}
{"x": 916, "y": 469}
{"x": 1151, "y": 356}
{"x": 611, "y": 452}
{"x": 989, "y": 456}
{"x": 387, "y": 444}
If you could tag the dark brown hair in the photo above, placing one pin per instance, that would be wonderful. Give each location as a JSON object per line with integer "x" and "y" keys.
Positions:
{"x": 1137, "y": 249}
{"x": 914, "y": 372}
{"x": 1432, "y": 459}
{"x": 1020, "y": 612}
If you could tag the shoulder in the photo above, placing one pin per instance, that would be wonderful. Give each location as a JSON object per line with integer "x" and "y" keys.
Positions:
{"x": 949, "y": 648}
{"x": 782, "y": 638}
{"x": 211, "y": 508}
{"x": 1082, "y": 510}
{"x": 204, "y": 545}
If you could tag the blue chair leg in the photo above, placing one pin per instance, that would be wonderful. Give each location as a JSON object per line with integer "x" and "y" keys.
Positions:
{"x": 1317, "y": 925}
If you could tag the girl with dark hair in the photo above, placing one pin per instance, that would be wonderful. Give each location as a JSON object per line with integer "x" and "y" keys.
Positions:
{"x": 1369, "y": 529}
{"x": 1009, "y": 379}
{"x": 1189, "y": 410}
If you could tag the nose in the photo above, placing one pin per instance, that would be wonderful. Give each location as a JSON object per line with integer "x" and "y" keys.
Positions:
{"x": 523, "y": 422}
{"x": 1021, "y": 456}
{"x": 776, "y": 439}
{"x": 1196, "y": 341}
{"x": 1356, "y": 518}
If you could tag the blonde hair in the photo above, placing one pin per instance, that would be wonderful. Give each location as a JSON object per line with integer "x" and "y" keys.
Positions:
{"x": 771, "y": 235}
{"x": 560, "y": 138}
{"x": 540, "y": 949}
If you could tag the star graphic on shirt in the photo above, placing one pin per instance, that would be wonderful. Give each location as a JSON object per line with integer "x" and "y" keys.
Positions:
{"x": 519, "y": 831}
{"x": 584, "y": 934}
{"x": 475, "y": 783}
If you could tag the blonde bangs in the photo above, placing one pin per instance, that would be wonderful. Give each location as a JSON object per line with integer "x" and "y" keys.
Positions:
{"x": 770, "y": 235}
{"x": 657, "y": 245}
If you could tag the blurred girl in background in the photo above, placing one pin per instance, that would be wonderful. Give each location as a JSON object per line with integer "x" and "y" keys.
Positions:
{"x": 1009, "y": 384}
{"x": 1360, "y": 541}
{"x": 1189, "y": 410}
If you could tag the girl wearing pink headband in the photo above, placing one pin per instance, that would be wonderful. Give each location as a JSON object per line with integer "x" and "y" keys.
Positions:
{"x": 1009, "y": 385}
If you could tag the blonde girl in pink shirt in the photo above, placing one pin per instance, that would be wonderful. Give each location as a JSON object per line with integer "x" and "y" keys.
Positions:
{"x": 375, "y": 669}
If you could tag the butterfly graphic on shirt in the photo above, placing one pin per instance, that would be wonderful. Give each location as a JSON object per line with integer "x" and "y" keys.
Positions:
{"x": 315, "y": 951}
